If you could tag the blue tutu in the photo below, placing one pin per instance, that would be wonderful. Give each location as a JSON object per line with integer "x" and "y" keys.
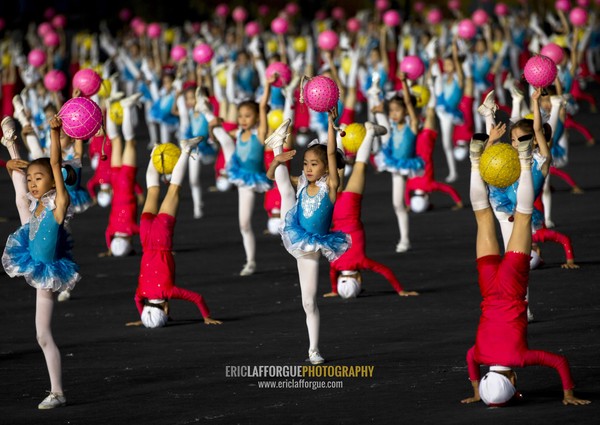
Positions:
{"x": 161, "y": 110}
{"x": 397, "y": 154}
{"x": 306, "y": 228}
{"x": 80, "y": 198}
{"x": 40, "y": 251}
{"x": 559, "y": 155}
{"x": 244, "y": 177}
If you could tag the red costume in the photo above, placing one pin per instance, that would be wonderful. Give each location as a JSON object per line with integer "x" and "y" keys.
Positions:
{"x": 424, "y": 149}
{"x": 502, "y": 331}
{"x": 157, "y": 269}
{"x": 346, "y": 218}
{"x": 123, "y": 211}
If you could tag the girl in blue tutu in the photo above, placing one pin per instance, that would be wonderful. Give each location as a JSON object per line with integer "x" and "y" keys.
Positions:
{"x": 308, "y": 213}
{"x": 398, "y": 153}
{"x": 40, "y": 250}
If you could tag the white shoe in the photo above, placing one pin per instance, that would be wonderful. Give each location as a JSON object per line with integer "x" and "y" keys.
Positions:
{"x": 488, "y": 107}
{"x": 277, "y": 138}
{"x": 402, "y": 246}
{"x": 378, "y": 130}
{"x": 314, "y": 357}
{"x": 202, "y": 104}
{"x": 198, "y": 213}
{"x": 550, "y": 224}
{"x": 131, "y": 100}
{"x": 451, "y": 178}
{"x": 187, "y": 145}
{"x": 508, "y": 82}
{"x": 116, "y": 96}
{"x": 64, "y": 295}
{"x": 20, "y": 111}
{"x": 52, "y": 401}
{"x": 525, "y": 146}
{"x": 9, "y": 131}
{"x": 249, "y": 268}
{"x": 477, "y": 145}
{"x": 529, "y": 315}
{"x": 516, "y": 92}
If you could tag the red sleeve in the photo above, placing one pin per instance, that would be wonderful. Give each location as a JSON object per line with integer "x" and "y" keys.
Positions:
{"x": 196, "y": 298}
{"x": 383, "y": 270}
{"x": 473, "y": 366}
{"x": 139, "y": 303}
{"x": 333, "y": 275}
{"x": 547, "y": 235}
{"x": 555, "y": 361}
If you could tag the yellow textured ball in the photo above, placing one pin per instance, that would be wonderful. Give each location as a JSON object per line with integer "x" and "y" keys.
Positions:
{"x": 272, "y": 46}
{"x": 165, "y": 156}
{"x": 355, "y": 133}
{"x": 422, "y": 94}
{"x": 87, "y": 42}
{"x": 116, "y": 113}
{"x": 275, "y": 118}
{"x": 6, "y": 60}
{"x": 222, "y": 77}
{"x": 105, "y": 89}
{"x": 300, "y": 44}
{"x": 346, "y": 64}
{"x": 169, "y": 35}
{"x": 499, "y": 165}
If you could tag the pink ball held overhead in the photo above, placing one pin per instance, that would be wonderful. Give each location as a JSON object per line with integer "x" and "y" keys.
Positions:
{"x": 284, "y": 73}
{"x": 81, "y": 118}
{"x": 87, "y": 81}
{"x": 391, "y": 18}
{"x": 413, "y": 67}
{"x": 252, "y": 29}
{"x": 178, "y": 53}
{"x": 279, "y": 25}
{"x": 55, "y": 80}
{"x": 202, "y": 53}
{"x": 540, "y": 71}
{"x": 328, "y": 40}
{"x": 466, "y": 29}
{"x": 321, "y": 94}
{"x": 36, "y": 57}
{"x": 554, "y": 52}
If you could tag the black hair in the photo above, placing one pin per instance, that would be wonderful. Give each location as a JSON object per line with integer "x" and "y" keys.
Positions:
{"x": 321, "y": 151}
{"x": 249, "y": 104}
{"x": 51, "y": 107}
{"x": 400, "y": 100}
{"x": 71, "y": 174}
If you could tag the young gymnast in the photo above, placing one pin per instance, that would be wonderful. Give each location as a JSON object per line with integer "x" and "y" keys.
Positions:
{"x": 308, "y": 212}
{"x": 156, "y": 283}
{"x": 501, "y": 340}
{"x": 397, "y": 154}
{"x": 40, "y": 250}
{"x": 345, "y": 272}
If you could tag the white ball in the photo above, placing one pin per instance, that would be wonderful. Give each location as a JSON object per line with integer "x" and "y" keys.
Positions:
{"x": 120, "y": 247}
{"x": 348, "y": 287}
{"x": 461, "y": 152}
{"x": 223, "y": 184}
{"x": 104, "y": 198}
{"x": 273, "y": 225}
{"x": 535, "y": 261}
{"x": 154, "y": 317}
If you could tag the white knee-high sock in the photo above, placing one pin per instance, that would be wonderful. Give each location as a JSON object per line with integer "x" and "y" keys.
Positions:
{"x": 477, "y": 191}
{"x": 19, "y": 180}
{"x": 111, "y": 128}
{"x": 152, "y": 176}
{"x": 364, "y": 150}
{"x": 547, "y": 201}
{"x": 180, "y": 168}
{"x": 194, "y": 175}
{"x": 515, "y": 113}
{"x": 447, "y": 126}
{"x": 43, "y": 325}
{"x": 490, "y": 121}
{"x": 226, "y": 142}
{"x": 398, "y": 187}
{"x": 284, "y": 185}
{"x": 308, "y": 272}
{"x": 245, "y": 207}
{"x": 525, "y": 190}
{"x": 33, "y": 144}
{"x": 127, "y": 126}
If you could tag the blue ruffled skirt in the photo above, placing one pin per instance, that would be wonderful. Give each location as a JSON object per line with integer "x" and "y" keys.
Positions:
{"x": 80, "y": 198}
{"x": 300, "y": 242}
{"x": 242, "y": 177}
{"x": 559, "y": 155}
{"x": 385, "y": 161}
{"x": 500, "y": 201}
{"x": 58, "y": 275}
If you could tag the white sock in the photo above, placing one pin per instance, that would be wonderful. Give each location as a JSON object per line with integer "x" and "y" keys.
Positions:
{"x": 525, "y": 191}
{"x": 127, "y": 126}
{"x": 180, "y": 168}
{"x": 364, "y": 150}
{"x": 111, "y": 128}
{"x": 478, "y": 192}
{"x": 152, "y": 176}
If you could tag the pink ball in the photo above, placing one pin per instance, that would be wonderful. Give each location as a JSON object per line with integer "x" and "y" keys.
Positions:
{"x": 382, "y": 5}
{"x": 252, "y": 29}
{"x": 583, "y": 3}
{"x": 140, "y": 29}
{"x": 540, "y": 71}
{"x": 51, "y": 39}
{"x": 419, "y": 7}
{"x": 222, "y": 10}
{"x": 480, "y": 17}
{"x": 135, "y": 22}
{"x": 353, "y": 25}
{"x": 263, "y": 10}
{"x": 44, "y": 28}
{"x": 434, "y": 16}
{"x": 413, "y": 67}
{"x": 87, "y": 81}
{"x": 578, "y": 17}
{"x": 554, "y": 52}
{"x": 292, "y": 9}
{"x": 284, "y": 73}
{"x": 321, "y": 94}
{"x": 328, "y": 40}
{"x": 320, "y": 15}
{"x": 124, "y": 14}
{"x": 501, "y": 9}
{"x": 37, "y": 57}
{"x": 454, "y": 4}
{"x": 59, "y": 21}
{"x": 55, "y": 80}
{"x": 202, "y": 53}
{"x": 466, "y": 29}
{"x": 391, "y": 18}
{"x": 178, "y": 53}
{"x": 279, "y": 25}
{"x": 239, "y": 14}
{"x": 49, "y": 13}
{"x": 564, "y": 5}
{"x": 338, "y": 13}
{"x": 154, "y": 30}
{"x": 81, "y": 118}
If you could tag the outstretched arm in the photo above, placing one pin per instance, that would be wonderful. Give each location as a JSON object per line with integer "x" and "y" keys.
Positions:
{"x": 333, "y": 180}
{"x": 538, "y": 130}
{"x": 412, "y": 113}
{"x": 62, "y": 196}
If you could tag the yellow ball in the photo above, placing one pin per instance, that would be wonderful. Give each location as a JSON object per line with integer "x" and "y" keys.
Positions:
{"x": 497, "y": 46}
{"x": 6, "y": 60}
{"x": 300, "y": 44}
{"x": 422, "y": 94}
{"x": 275, "y": 118}
{"x": 169, "y": 35}
{"x": 407, "y": 43}
{"x": 105, "y": 89}
{"x": 355, "y": 133}
{"x": 272, "y": 46}
{"x": 499, "y": 165}
{"x": 87, "y": 42}
{"x": 346, "y": 64}
{"x": 116, "y": 113}
{"x": 222, "y": 77}
{"x": 529, "y": 116}
{"x": 165, "y": 156}
{"x": 561, "y": 40}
